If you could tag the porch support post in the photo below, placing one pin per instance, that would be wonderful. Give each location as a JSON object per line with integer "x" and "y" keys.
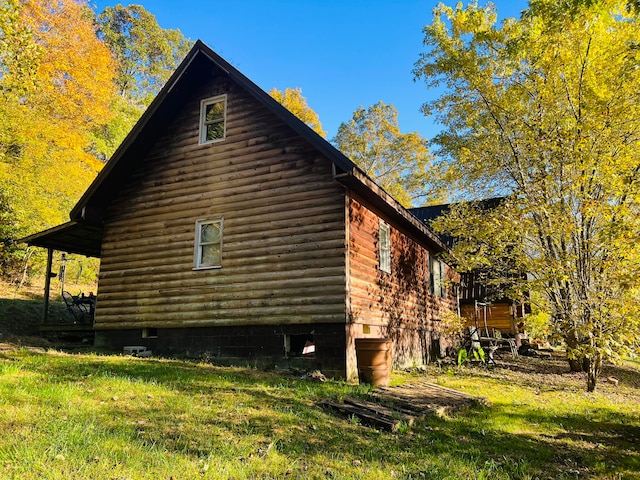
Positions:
{"x": 47, "y": 286}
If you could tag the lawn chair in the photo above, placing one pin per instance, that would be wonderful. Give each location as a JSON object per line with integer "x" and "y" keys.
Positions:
{"x": 79, "y": 311}
{"x": 496, "y": 342}
{"x": 476, "y": 349}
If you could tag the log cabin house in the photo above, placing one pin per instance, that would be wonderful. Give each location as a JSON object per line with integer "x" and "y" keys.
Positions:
{"x": 226, "y": 227}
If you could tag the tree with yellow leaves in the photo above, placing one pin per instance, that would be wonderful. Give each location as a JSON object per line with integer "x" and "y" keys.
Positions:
{"x": 545, "y": 110}
{"x": 56, "y": 83}
{"x": 293, "y": 100}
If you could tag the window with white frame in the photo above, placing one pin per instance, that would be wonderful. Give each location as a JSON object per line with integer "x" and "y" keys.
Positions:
{"x": 208, "y": 245}
{"x": 436, "y": 276}
{"x": 384, "y": 235}
{"x": 213, "y": 114}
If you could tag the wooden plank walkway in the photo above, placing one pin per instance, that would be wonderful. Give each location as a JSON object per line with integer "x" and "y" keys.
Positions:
{"x": 391, "y": 407}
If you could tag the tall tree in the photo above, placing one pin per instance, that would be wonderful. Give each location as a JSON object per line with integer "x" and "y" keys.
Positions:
{"x": 293, "y": 100}
{"x": 146, "y": 54}
{"x": 546, "y": 110}
{"x": 396, "y": 161}
{"x": 56, "y": 86}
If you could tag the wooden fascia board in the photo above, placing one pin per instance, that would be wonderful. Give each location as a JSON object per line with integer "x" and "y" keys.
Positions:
{"x": 381, "y": 200}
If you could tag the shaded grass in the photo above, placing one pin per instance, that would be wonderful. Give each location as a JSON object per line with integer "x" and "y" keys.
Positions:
{"x": 91, "y": 416}
{"x": 21, "y": 309}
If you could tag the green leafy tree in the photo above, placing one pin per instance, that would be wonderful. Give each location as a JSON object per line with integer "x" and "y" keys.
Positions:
{"x": 545, "y": 109}
{"x": 293, "y": 100}
{"x": 396, "y": 161}
{"x": 146, "y": 54}
{"x": 11, "y": 254}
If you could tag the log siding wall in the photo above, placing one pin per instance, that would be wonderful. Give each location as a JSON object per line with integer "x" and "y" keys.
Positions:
{"x": 397, "y": 305}
{"x": 284, "y": 246}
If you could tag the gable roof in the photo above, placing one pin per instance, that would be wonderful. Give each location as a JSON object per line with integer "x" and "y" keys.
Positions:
{"x": 198, "y": 64}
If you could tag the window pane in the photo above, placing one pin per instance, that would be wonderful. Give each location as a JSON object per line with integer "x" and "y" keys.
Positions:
{"x": 212, "y": 119}
{"x": 215, "y": 131}
{"x": 210, "y": 233}
{"x": 210, "y": 255}
{"x": 214, "y": 111}
{"x": 436, "y": 277}
{"x": 208, "y": 244}
{"x": 385, "y": 247}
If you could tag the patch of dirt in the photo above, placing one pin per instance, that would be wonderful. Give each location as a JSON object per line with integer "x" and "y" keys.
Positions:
{"x": 552, "y": 373}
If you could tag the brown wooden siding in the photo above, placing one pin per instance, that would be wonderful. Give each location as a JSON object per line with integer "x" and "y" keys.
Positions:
{"x": 499, "y": 316}
{"x": 283, "y": 255}
{"x": 400, "y": 299}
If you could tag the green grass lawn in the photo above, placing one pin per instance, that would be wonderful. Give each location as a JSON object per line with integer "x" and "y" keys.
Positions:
{"x": 77, "y": 416}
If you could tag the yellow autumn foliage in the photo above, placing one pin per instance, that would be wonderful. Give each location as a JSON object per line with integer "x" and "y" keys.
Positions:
{"x": 545, "y": 111}
{"x": 293, "y": 100}
{"x": 45, "y": 126}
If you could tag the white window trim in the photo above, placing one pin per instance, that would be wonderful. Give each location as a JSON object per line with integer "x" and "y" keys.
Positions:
{"x": 197, "y": 246}
{"x": 203, "y": 108}
{"x": 384, "y": 250}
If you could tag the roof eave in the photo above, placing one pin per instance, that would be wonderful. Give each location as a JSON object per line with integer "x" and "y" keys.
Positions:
{"x": 360, "y": 183}
{"x": 70, "y": 237}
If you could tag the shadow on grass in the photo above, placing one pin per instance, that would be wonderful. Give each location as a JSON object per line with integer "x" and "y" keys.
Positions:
{"x": 243, "y": 414}
{"x": 24, "y": 317}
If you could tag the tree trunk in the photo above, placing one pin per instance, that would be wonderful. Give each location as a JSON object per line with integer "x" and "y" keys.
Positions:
{"x": 593, "y": 370}
{"x": 575, "y": 364}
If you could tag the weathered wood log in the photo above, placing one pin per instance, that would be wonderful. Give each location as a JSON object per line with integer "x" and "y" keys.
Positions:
{"x": 367, "y": 416}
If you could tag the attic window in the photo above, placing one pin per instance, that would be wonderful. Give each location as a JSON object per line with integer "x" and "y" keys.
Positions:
{"x": 213, "y": 113}
{"x": 208, "y": 245}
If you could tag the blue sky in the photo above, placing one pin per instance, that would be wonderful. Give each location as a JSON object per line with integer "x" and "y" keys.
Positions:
{"x": 342, "y": 53}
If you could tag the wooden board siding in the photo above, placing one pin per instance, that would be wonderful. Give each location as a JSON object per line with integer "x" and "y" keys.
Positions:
{"x": 499, "y": 317}
{"x": 283, "y": 259}
{"x": 399, "y": 304}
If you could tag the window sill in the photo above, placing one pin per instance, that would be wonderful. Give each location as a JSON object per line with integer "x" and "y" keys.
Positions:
{"x": 215, "y": 267}
{"x": 209, "y": 142}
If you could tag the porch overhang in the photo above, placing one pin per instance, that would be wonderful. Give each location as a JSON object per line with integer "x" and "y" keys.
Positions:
{"x": 70, "y": 237}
